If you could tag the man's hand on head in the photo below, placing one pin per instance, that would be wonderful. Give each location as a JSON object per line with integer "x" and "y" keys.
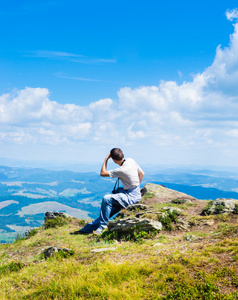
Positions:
{"x": 104, "y": 172}
{"x": 108, "y": 156}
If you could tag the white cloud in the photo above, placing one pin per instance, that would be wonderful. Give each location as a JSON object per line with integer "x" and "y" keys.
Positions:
{"x": 232, "y": 14}
{"x": 77, "y": 78}
{"x": 72, "y": 57}
{"x": 52, "y": 54}
{"x": 32, "y": 106}
{"x": 195, "y": 120}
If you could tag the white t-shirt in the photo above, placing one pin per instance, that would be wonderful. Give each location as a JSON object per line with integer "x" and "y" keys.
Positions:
{"x": 128, "y": 174}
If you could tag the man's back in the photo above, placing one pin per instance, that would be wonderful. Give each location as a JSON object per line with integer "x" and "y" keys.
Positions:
{"x": 128, "y": 174}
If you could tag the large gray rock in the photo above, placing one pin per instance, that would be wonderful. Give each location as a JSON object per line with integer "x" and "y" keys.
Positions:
{"x": 126, "y": 225}
{"x": 223, "y": 206}
{"x": 163, "y": 192}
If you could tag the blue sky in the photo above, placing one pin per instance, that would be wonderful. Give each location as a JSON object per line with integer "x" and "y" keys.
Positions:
{"x": 84, "y": 76}
{"x": 114, "y": 44}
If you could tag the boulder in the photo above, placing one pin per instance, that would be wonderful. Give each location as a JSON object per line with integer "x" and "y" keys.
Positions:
{"x": 223, "y": 206}
{"x": 127, "y": 225}
{"x": 163, "y": 192}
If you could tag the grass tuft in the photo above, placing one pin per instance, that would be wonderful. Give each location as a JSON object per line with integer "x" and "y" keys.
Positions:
{"x": 168, "y": 218}
{"x": 11, "y": 267}
{"x": 135, "y": 235}
{"x": 57, "y": 222}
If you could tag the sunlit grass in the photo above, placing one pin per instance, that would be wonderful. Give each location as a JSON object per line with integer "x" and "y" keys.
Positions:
{"x": 174, "y": 269}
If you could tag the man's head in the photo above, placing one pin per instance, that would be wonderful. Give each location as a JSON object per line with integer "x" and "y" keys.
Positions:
{"x": 117, "y": 154}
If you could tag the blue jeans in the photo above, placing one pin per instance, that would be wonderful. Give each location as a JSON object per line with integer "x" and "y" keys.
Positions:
{"x": 109, "y": 208}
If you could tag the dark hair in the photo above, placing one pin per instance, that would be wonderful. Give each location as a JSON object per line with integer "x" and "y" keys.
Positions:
{"x": 117, "y": 154}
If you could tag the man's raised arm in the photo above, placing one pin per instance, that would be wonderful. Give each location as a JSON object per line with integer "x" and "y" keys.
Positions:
{"x": 141, "y": 175}
{"x": 104, "y": 172}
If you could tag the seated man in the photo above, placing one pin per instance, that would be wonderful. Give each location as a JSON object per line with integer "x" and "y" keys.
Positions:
{"x": 131, "y": 176}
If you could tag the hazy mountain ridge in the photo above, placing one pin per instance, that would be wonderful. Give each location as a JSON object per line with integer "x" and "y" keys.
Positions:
{"x": 220, "y": 180}
{"x": 26, "y": 194}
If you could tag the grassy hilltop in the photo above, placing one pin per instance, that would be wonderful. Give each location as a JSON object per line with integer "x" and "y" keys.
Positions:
{"x": 198, "y": 262}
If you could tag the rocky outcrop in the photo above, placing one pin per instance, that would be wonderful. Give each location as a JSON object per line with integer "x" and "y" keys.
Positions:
{"x": 128, "y": 224}
{"x": 49, "y": 215}
{"x": 163, "y": 192}
{"x": 150, "y": 217}
{"x": 223, "y": 206}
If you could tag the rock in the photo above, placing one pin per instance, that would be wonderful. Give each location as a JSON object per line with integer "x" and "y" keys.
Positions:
{"x": 158, "y": 245}
{"x": 28, "y": 231}
{"x": 103, "y": 249}
{"x": 126, "y": 225}
{"x": 51, "y": 250}
{"x": 171, "y": 209}
{"x": 49, "y": 215}
{"x": 137, "y": 207}
{"x": 163, "y": 192}
{"x": 208, "y": 222}
{"x": 139, "y": 215}
{"x": 191, "y": 237}
{"x": 223, "y": 206}
{"x": 183, "y": 224}
{"x": 123, "y": 214}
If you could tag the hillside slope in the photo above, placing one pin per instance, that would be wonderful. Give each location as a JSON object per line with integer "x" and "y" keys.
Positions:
{"x": 194, "y": 256}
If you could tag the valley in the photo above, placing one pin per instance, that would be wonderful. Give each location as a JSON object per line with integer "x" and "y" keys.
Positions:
{"x": 27, "y": 193}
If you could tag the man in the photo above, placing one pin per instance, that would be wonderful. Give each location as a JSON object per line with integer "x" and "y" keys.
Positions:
{"x": 131, "y": 176}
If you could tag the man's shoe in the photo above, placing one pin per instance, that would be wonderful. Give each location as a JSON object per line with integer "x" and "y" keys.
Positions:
{"x": 98, "y": 231}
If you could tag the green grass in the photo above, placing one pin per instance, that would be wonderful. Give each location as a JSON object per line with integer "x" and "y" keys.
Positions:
{"x": 174, "y": 269}
{"x": 57, "y": 222}
{"x": 168, "y": 218}
{"x": 11, "y": 267}
{"x": 147, "y": 196}
{"x": 105, "y": 279}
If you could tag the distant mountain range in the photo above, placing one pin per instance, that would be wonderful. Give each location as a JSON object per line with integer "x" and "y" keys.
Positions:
{"x": 27, "y": 193}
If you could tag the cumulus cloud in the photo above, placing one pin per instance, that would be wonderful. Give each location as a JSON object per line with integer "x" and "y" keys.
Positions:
{"x": 201, "y": 113}
{"x": 232, "y": 14}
